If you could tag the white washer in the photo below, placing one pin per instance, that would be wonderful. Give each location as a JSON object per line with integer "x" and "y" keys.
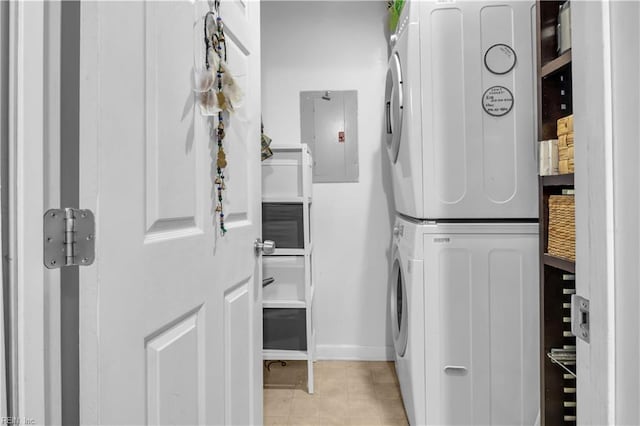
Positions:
{"x": 406, "y": 308}
{"x": 464, "y": 314}
{"x": 461, "y": 110}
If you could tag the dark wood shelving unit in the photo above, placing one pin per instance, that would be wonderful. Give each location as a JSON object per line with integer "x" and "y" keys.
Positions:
{"x": 556, "y": 64}
{"x": 566, "y": 265}
{"x": 558, "y": 180}
{"x": 558, "y": 388}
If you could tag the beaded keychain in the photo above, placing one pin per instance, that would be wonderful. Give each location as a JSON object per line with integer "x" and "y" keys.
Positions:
{"x": 216, "y": 41}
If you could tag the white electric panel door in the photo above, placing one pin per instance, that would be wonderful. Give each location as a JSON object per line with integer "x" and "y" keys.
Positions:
{"x": 478, "y": 111}
{"x": 481, "y": 324}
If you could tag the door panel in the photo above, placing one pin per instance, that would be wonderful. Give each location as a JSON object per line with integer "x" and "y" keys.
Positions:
{"x": 171, "y": 181}
{"x": 238, "y": 379}
{"x": 171, "y": 166}
{"x": 238, "y": 140}
{"x": 171, "y": 325}
{"x": 175, "y": 366}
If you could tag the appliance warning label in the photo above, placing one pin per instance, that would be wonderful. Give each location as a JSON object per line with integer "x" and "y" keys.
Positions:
{"x": 497, "y": 101}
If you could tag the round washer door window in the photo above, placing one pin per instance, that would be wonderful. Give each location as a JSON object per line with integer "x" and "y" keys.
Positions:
{"x": 398, "y": 309}
{"x": 393, "y": 107}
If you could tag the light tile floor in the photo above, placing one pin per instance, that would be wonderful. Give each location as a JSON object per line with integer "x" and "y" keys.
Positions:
{"x": 346, "y": 393}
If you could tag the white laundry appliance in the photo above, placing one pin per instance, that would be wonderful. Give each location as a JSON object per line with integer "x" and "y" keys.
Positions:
{"x": 460, "y": 110}
{"x": 461, "y": 139}
{"x": 464, "y": 314}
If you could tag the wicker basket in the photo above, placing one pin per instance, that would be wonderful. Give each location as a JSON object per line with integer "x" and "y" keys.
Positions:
{"x": 562, "y": 227}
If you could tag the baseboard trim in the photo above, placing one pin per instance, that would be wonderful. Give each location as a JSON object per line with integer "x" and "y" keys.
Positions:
{"x": 354, "y": 353}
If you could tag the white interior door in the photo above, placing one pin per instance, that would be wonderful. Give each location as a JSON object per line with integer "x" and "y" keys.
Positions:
{"x": 170, "y": 312}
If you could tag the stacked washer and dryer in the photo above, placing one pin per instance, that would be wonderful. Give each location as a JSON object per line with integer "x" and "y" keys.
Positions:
{"x": 460, "y": 112}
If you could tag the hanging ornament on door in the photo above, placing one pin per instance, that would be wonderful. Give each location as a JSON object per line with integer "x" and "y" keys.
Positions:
{"x": 217, "y": 92}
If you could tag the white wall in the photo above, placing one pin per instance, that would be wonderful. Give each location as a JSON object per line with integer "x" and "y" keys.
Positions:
{"x": 338, "y": 46}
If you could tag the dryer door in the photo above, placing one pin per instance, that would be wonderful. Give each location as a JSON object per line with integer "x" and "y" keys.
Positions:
{"x": 393, "y": 107}
{"x": 398, "y": 307}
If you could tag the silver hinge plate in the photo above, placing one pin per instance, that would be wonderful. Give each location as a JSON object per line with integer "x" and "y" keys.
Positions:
{"x": 580, "y": 317}
{"x": 69, "y": 238}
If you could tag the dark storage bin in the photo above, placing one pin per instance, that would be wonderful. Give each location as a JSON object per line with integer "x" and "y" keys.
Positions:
{"x": 284, "y": 329}
{"x": 283, "y": 223}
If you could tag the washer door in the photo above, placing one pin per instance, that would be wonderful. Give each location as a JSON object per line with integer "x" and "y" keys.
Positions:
{"x": 393, "y": 107}
{"x": 398, "y": 308}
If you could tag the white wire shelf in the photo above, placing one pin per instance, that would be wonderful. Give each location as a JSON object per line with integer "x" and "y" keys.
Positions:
{"x": 564, "y": 358}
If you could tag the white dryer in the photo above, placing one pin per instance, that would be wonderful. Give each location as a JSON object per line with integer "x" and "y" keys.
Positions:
{"x": 460, "y": 110}
{"x": 402, "y": 113}
{"x": 464, "y": 314}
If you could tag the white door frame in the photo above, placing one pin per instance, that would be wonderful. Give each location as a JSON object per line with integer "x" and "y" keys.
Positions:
{"x": 26, "y": 199}
{"x": 4, "y": 120}
{"x": 52, "y": 199}
{"x": 625, "y": 60}
{"x": 597, "y": 209}
{"x": 34, "y": 187}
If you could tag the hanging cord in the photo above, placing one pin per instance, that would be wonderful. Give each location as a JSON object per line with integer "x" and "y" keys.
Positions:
{"x": 217, "y": 42}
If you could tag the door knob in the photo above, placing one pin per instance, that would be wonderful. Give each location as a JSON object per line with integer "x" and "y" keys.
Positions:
{"x": 266, "y": 247}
